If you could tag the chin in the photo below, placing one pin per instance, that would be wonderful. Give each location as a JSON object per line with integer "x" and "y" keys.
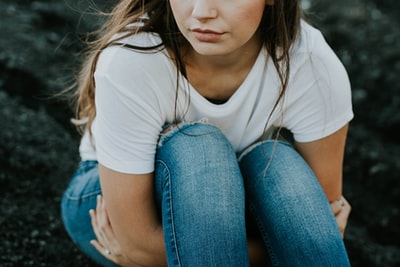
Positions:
{"x": 210, "y": 50}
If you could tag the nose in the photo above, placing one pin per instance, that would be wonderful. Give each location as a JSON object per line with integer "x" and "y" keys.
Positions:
{"x": 204, "y": 9}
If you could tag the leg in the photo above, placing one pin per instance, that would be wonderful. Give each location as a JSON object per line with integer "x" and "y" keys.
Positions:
{"x": 290, "y": 208}
{"x": 79, "y": 197}
{"x": 201, "y": 195}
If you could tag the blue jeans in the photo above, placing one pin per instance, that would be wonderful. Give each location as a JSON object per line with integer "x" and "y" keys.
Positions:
{"x": 204, "y": 193}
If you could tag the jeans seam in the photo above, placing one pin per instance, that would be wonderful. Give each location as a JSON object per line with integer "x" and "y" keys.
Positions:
{"x": 267, "y": 243}
{"x": 170, "y": 211}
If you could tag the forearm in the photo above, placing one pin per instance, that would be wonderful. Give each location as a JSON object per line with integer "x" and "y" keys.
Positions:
{"x": 151, "y": 253}
{"x": 325, "y": 157}
{"x": 133, "y": 215}
{"x": 332, "y": 188}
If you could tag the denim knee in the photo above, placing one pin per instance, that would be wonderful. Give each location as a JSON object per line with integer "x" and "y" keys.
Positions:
{"x": 277, "y": 165}
{"x": 274, "y": 157}
{"x": 189, "y": 130}
{"x": 200, "y": 152}
{"x": 201, "y": 194}
{"x": 290, "y": 207}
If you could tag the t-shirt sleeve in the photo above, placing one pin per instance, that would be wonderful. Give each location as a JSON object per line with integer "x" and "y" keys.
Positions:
{"x": 128, "y": 113}
{"x": 319, "y": 93}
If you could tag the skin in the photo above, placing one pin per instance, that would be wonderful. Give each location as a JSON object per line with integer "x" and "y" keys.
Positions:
{"x": 325, "y": 157}
{"x": 222, "y": 57}
{"x": 216, "y": 68}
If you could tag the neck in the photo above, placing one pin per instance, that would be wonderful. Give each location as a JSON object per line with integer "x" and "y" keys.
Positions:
{"x": 238, "y": 60}
{"x": 218, "y": 77}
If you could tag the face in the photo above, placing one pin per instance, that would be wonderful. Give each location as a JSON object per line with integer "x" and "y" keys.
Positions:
{"x": 219, "y": 27}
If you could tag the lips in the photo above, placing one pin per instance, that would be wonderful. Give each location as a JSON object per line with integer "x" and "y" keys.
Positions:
{"x": 206, "y": 35}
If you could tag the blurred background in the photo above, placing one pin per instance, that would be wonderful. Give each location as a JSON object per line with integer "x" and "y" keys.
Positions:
{"x": 40, "y": 43}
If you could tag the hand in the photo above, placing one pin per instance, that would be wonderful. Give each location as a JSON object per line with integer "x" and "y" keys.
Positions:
{"x": 106, "y": 242}
{"x": 341, "y": 209}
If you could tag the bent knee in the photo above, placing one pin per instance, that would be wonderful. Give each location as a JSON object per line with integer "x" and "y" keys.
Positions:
{"x": 195, "y": 143}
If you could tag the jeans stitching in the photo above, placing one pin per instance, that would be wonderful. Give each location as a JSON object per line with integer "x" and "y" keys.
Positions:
{"x": 167, "y": 185}
{"x": 264, "y": 235}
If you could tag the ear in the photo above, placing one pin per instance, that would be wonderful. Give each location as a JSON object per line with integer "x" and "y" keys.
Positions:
{"x": 269, "y": 2}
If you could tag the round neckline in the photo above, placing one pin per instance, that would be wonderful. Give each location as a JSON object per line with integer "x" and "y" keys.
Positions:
{"x": 236, "y": 97}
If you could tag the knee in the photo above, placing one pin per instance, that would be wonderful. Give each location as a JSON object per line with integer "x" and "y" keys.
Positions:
{"x": 278, "y": 165}
{"x": 270, "y": 150}
{"x": 200, "y": 167}
{"x": 274, "y": 157}
{"x": 195, "y": 144}
{"x": 190, "y": 133}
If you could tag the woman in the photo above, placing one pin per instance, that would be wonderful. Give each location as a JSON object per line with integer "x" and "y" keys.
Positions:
{"x": 182, "y": 102}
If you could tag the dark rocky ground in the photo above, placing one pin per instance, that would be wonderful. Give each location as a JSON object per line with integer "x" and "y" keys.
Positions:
{"x": 39, "y": 41}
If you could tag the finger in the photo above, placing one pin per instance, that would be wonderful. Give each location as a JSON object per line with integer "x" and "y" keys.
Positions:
{"x": 103, "y": 222}
{"x": 99, "y": 209}
{"x": 108, "y": 233}
{"x": 95, "y": 226}
{"x": 108, "y": 238}
{"x": 343, "y": 216}
{"x": 346, "y": 203}
{"x": 101, "y": 244}
{"x": 98, "y": 227}
{"x": 346, "y": 209}
{"x": 337, "y": 206}
{"x": 95, "y": 215}
{"x": 102, "y": 218}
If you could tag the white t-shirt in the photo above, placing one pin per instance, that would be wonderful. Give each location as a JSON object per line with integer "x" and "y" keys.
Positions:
{"x": 135, "y": 98}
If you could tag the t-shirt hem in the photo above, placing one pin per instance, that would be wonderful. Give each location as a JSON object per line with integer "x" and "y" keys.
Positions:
{"x": 128, "y": 167}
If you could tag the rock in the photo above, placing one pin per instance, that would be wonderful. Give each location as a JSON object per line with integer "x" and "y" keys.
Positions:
{"x": 37, "y": 157}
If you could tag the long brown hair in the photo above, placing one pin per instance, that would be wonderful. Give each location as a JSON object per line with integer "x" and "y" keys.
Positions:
{"x": 279, "y": 28}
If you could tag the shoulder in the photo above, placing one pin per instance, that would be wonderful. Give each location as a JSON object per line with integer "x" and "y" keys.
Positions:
{"x": 309, "y": 39}
{"x": 133, "y": 56}
{"x": 133, "y": 75}
{"x": 318, "y": 98}
{"x": 312, "y": 55}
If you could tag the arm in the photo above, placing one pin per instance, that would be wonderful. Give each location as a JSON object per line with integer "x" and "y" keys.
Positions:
{"x": 133, "y": 216}
{"x": 325, "y": 157}
{"x": 106, "y": 241}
